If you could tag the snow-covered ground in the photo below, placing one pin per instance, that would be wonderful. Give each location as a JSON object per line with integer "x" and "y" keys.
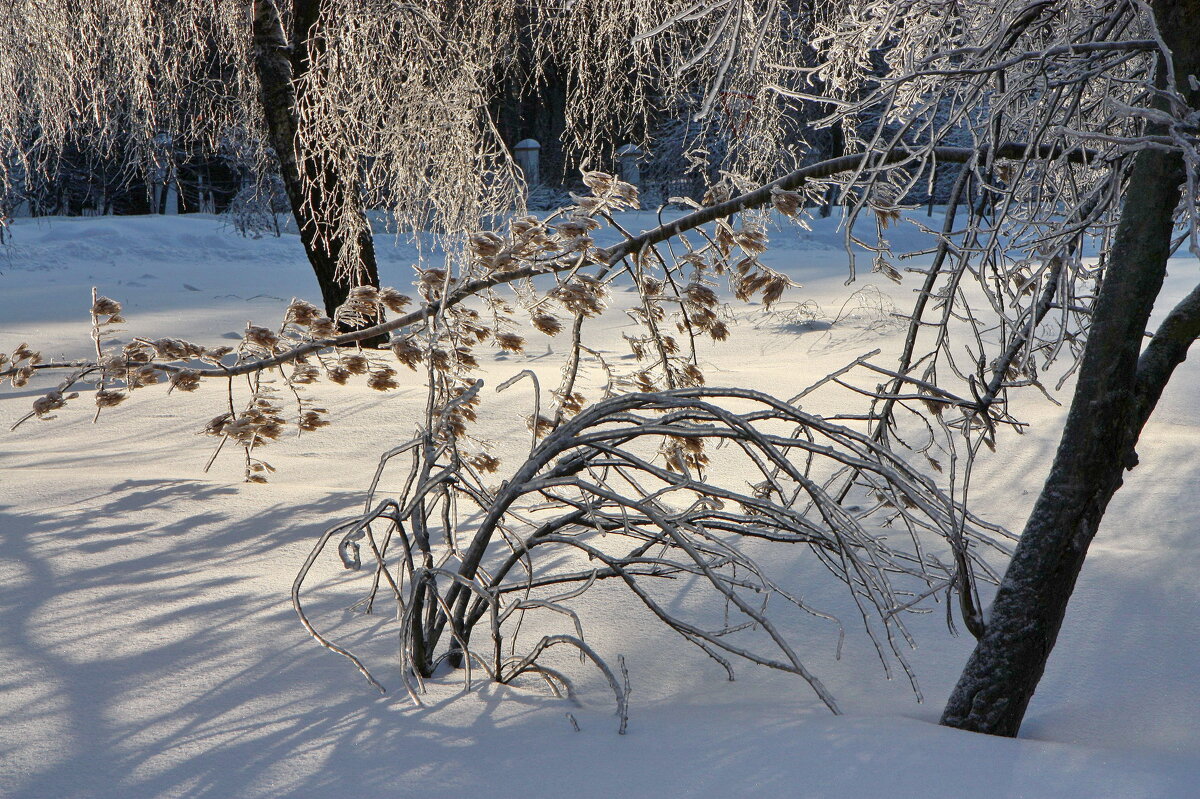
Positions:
{"x": 148, "y": 647}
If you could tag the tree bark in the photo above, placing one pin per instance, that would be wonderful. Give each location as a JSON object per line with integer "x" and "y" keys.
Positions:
{"x": 313, "y": 188}
{"x": 1116, "y": 391}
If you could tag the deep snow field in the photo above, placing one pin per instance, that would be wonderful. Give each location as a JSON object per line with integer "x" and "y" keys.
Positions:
{"x": 148, "y": 647}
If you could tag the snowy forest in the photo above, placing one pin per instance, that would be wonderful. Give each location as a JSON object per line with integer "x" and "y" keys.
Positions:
{"x": 599, "y": 398}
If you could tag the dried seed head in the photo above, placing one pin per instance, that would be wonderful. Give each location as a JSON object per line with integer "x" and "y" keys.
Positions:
{"x": 216, "y": 425}
{"x": 589, "y": 206}
{"x": 598, "y": 182}
{"x": 261, "y": 337}
{"x": 574, "y": 227}
{"x": 142, "y": 376}
{"x": 786, "y": 202}
{"x": 302, "y": 313}
{"x": 407, "y": 352}
{"x": 467, "y": 325}
{"x": 717, "y": 194}
{"x": 109, "y": 399}
{"x": 322, "y": 327}
{"x": 48, "y": 403}
{"x": 439, "y": 359}
{"x": 486, "y": 245}
{"x": 103, "y": 306}
{"x": 185, "y": 380}
{"x": 337, "y": 375}
{"x": 484, "y": 462}
{"x": 362, "y": 303}
{"x": 174, "y": 349}
{"x": 393, "y": 300}
{"x": 137, "y": 352}
{"x": 431, "y": 283}
{"x": 21, "y": 376}
{"x": 881, "y": 266}
{"x": 572, "y": 403}
{"x": 524, "y": 226}
{"x": 510, "y": 342}
{"x": 547, "y": 323}
{"x": 700, "y": 295}
{"x": 363, "y": 294}
{"x": 258, "y": 424}
{"x": 748, "y": 284}
{"x": 311, "y": 420}
{"x": 682, "y": 454}
{"x": 651, "y": 287}
{"x": 383, "y": 379}
{"x": 582, "y": 294}
{"x": 466, "y": 358}
{"x": 355, "y": 363}
{"x": 752, "y": 240}
{"x": 305, "y": 374}
{"x": 886, "y": 216}
{"x": 529, "y": 235}
{"x": 544, "y": 425}
{"x": 774, "y": 289}
{"x": 625, "y": 194}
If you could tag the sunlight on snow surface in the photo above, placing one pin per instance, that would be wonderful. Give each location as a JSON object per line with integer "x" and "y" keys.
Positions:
{"x": 150, "y": 649}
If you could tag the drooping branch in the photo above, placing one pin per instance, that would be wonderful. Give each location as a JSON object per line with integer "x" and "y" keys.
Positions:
{"x": 622, "y": 491}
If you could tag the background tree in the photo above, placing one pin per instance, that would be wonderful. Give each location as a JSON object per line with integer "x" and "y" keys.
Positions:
{"x": 1119, "y": 383}
{"x": 416, "y": 139}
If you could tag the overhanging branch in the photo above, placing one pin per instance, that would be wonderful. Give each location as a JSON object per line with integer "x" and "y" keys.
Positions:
{"x": 612, "y": 255}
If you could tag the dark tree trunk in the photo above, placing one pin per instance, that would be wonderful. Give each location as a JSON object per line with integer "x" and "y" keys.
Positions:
{"x": 313, "y": 188}
{"x": 1117, "y": 389}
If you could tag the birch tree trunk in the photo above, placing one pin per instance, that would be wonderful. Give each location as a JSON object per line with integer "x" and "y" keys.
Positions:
{"x": 314, "y": 190}
{"x": 1117, "y": 389}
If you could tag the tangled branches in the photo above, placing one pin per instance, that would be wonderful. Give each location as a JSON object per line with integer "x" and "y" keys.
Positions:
{"x": 647, "y": 488}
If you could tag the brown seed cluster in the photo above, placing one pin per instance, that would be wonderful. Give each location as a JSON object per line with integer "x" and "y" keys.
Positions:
{"x": 383, "y": 379}
{"x": 407, "y": 352}
{"x": 683, "y": 454}
{"x": 107, "y": 307}
{"x": 259, "y": 423}
{"x": 185, "y": 380}
{"x": 547, "y": 323}
{"x": 261, "y": 338}
{"x": 582, "y": 295}
{"x": 312, "y": 419}
{"x": 510, "y": 342}
{"x": 109, "y": 399}
{"x": 787, "y": 203}
{"x": 301, "y": 313}
{"x": 21, "y": 362}
{"x": 51, "y": 401}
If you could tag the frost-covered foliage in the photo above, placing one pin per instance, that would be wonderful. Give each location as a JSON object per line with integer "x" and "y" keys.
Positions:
{"x": 1037, "y": 110}
{"x": 394, "y": 96}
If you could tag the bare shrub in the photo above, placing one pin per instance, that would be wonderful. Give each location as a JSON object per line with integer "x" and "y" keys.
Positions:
{"x": 625, "y": 491}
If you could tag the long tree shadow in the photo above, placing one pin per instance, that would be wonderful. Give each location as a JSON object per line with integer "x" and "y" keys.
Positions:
{"x": 155, "y": 653}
